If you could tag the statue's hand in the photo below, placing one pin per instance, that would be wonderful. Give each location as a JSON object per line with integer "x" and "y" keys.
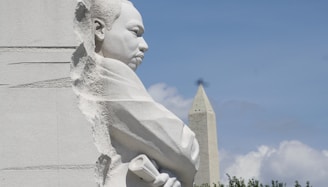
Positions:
{"x": 148, "y": 171}
{"x": 172, "y": 182}
{"x": 161, "y": 179}
{"x": 164, "y": 180}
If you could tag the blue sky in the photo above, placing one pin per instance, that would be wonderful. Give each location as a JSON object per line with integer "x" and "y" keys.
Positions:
{"x": 266, "y": 62}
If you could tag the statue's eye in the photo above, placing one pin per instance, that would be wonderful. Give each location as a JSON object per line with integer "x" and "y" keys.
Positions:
{"x": 135, "y": 31}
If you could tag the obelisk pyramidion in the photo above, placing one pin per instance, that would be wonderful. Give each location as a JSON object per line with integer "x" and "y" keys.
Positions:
{"x": 203, "y": 122}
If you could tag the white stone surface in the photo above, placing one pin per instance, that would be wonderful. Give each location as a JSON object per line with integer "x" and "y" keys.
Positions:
{"x": 48, "y": 178}
{"x": 23, "y": 65}
{"x": 43, "y": 133}
{"x": 44, "y": 138}
{"x": 203, "y": 122}
{"x": 37, "y": 23}
{"x": 126, "y": 121}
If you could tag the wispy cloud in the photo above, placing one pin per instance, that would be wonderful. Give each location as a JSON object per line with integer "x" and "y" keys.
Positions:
{"x": 325, "y": 152}
{"x": 247, "y": 166}
{"x": 291, "y": 161}
{"x": 170, "y": 98}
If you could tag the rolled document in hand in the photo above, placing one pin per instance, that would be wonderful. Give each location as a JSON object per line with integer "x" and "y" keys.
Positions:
{"x": 143, "y": 168}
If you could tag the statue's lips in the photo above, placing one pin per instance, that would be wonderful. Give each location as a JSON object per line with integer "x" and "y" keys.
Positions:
{"x": 139, "y": 59}
{"x": 141, "y": 56}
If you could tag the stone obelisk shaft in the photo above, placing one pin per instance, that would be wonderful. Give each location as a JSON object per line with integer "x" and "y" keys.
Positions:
{"x": 203, "y": 122}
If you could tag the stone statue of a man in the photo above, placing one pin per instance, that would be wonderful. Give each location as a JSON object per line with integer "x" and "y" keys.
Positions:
{"x": 142, "y": 144}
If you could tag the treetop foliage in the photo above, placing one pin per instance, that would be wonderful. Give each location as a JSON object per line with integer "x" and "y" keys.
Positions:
{"x": 239, "y": 182}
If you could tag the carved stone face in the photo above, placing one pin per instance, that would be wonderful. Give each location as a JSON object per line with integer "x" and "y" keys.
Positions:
{"x": 124, "y": 41}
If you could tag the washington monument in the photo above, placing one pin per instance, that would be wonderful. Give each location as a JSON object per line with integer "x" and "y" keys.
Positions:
{"x": 203, "y": 122}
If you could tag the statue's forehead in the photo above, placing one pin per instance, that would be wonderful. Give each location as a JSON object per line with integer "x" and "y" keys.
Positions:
{"x": 127, "y": 2}
{"x": 130, "y": 15}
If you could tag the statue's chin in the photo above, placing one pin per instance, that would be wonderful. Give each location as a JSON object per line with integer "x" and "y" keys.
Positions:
{"x": 134, "y": 65}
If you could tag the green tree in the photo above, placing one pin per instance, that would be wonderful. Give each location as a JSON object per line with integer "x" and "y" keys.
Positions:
{"x": 297, "y": 184}
{"x": 240, "y": 182}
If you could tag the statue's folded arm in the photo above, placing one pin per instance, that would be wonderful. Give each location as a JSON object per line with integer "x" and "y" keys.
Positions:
{"x": 126, "y": 121}
{"x": 144, "y": 127}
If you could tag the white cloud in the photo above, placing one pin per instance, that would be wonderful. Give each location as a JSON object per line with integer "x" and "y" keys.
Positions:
{"x": 247, "y": 166}
{"x": 291, "y": 161}
{"x": 325, "y": 152}
{"x": 171, "y": 99}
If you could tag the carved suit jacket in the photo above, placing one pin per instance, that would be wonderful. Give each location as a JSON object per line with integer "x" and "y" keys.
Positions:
{"x": 127, "y": 122}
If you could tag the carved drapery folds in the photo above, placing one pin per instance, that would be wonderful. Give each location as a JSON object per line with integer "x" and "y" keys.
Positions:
{"x": 126, "y": 121}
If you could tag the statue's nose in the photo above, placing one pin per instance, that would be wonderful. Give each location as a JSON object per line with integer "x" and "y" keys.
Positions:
{"x": 143, "y": 46}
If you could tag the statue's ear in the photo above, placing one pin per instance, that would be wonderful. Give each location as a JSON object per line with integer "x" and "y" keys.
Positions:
{"x": 99, "y": 28}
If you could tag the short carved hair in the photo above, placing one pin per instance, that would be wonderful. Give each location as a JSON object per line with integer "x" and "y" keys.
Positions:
{"x": 87, "y": 10}
{"x": 107, "y": 10}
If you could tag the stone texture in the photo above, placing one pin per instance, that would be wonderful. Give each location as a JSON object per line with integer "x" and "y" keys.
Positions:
{"x": 37, "y": 23}
{"x": 126, "y": 121}
{"x": 203, "y": 122}
{"x": 44, "y": 138}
